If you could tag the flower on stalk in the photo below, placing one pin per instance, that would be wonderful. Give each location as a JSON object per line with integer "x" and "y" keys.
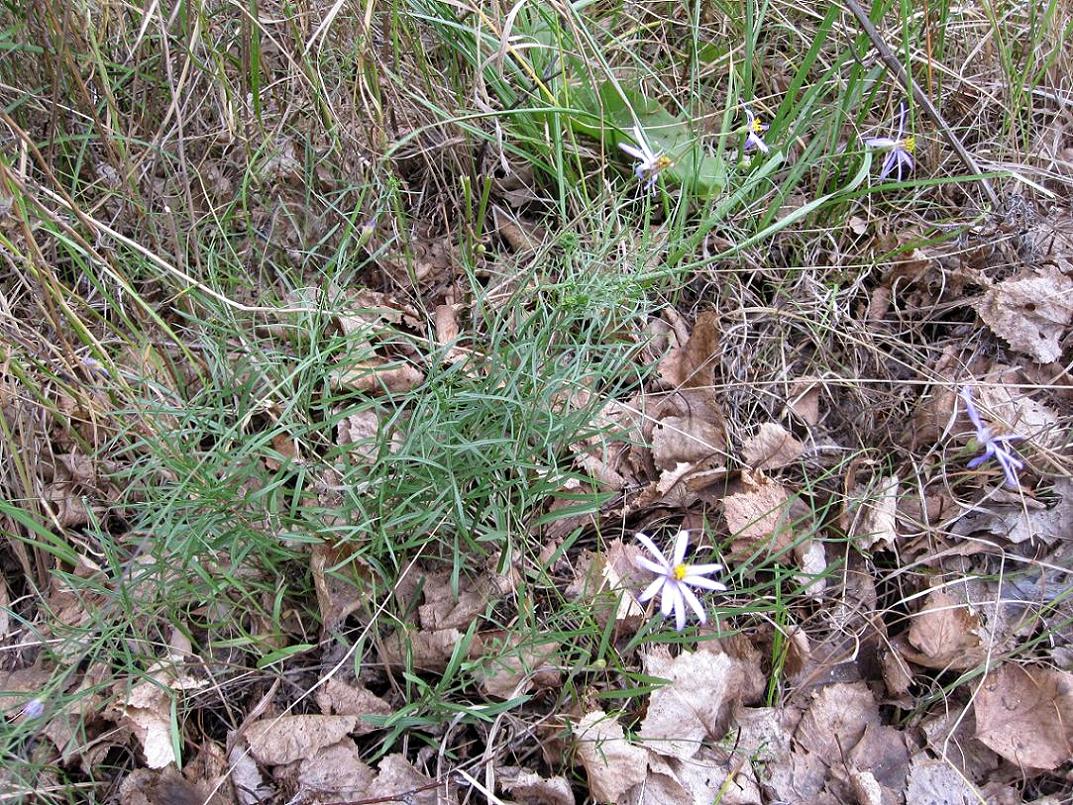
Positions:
{"x": 675, "y": 578}
{"x": 899, "y": 148}
{"x": 996, "y": 447}
{"x": 755, "y": 127}
{"x": 649, "y": 163}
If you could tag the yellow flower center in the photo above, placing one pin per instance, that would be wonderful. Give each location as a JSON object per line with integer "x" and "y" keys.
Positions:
{"x": 680, "y": 571}
{"x": 757, "y": 126}
{"x": 663, "y": 162}
{"x": 909, "y": 144}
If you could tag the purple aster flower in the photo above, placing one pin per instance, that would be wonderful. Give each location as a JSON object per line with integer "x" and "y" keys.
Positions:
{"x": 996, "y": 447}
{"x": 675, "y": 578}
{"x": 755, "y": 127}
{"x": 899, "y": 148}
{"x": 649, "y": 163}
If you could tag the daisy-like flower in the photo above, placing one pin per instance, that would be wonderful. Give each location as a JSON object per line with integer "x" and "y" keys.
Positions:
{"x": 649, "y": 163}
{"x": 996, "y": 447}
{"x": 899, "y": 148}
{"x": 675, "y": 578}
{"x": 35, "y": 708}
{"x": 756, "y": 127}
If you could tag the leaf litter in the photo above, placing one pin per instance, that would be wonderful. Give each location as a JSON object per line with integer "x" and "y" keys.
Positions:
{"x": 894, "y": 573}
{"x": 700, "y": 734}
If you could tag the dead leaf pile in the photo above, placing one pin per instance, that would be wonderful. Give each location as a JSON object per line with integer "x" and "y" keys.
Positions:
{"x": 1031, "y": 312}
{"x": 870, "y": 512}
{"x": 771, "y": 448}
{"x": 378, "y": 361}
{"x": 504, "y": 665}
{"x": 607, "y": 583}
{"x": 944, "y": 634}
{"x": 668, "y": 443}
{"x": 315, "y": 759}
{"x": 674, "y": 759}
{"x": 1025, "y": 714}
{"x": 76, "y": 487}
{"x": 145, "y": 710}
{"x": 758, "y": 516}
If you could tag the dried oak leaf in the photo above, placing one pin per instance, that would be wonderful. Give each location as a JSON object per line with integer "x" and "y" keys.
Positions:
{"x": 377, "y": 375}
{"x": 936, "y": 782}
{"x": 897, "y": 675}
{"x": 764, "y": 732}
{"x": 364, "y": 311}
{"x": 337, "y": 579}
{"x": 836, "y": 720}
{"x": 945, "y": 634}
{"x": 868, "y": 791}
{"x": 758, "y": 518}
{"x": 365, "y": 435}
{"x": 678, "y": 487}
{"x": 804, "y": 401}
{"x": 607, "y": 583}
{"x": 1024, "y": 519}
{"x": 524, "y": 236}
{"x": 78, "y": 485}
{"x": 612, "y": 763}
{"x": 811, "y": 557}
{"x": 335, "y": 772}
{"x": 870, "y": 514}
{"x": 529, "y": 788}
{"x": 429, "y": 651}
{"x": 146, "y": 709}
{"x": 950, "y": 734}
{"x": 762, "y": 737}
{"x": 882, "y": 752}
{"x": 430, "y": 258}
{"x": 709, "y": 776}
{"x": 20, "y": 686}
{"x": 211, "y": 770}
{"x": 157, "y": 787}
{"x": 689, "y": 439}
{"x": 399, "y": 781}
{"x": 606, "y": 455}
{"x": 442, "y": 609}
{"x": 704, "y": 688}
{"x": 798, "y": 651}
{"x": 1025, "y": 714}
{"x": 67, "y": 724}
{"x": 1007, "y": 408}
{"x": 285, "y": 739}
{"x": 77, "y": 607}
{"x": 510, "y": 665}
{"x": 692, "y": 365}
{"x": 147, "y": 712}
{"x": 445, "y": 318}
{"x": 1031, "y": 313}
{"x": 336, "y": 697}
{"x": 246, "y": 778}
{"x": 771, "y": 447}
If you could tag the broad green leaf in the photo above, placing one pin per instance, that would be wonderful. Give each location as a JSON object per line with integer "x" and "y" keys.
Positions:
{"x": 611, "y": 113}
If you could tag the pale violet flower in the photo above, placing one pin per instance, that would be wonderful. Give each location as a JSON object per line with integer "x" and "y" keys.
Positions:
{"x": 674, "y": 579}
{"x": 35, "y": 708}
{"x": 649, "y": 163}
{"x": 996, "y": 447}
{"x": 756, "y": 127}
{"x": 899, "y": 148}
